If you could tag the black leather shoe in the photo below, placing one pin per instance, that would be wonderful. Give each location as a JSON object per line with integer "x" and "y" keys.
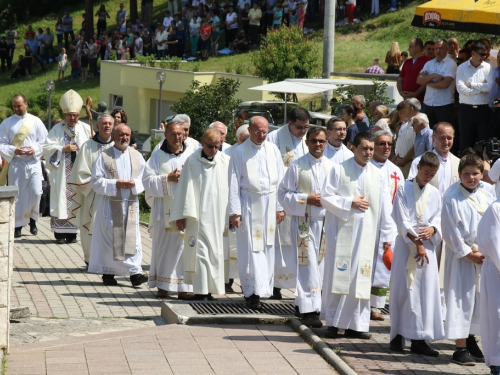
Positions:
{"x": 200, "y": 297}
{"x": 473, "y": 349}
{"x": 71, "y": 238}
{"x": 297, "y": 312}
{"x": 253, "y": 302}
{"x": 276, "y": 294}
{"x": 17, "y": 232}
{"x": 33, "y": 228}
{"x": 138, "y": 279}
{"x": 312, "y": 320}
{"x": 109, "y": 280}
{"x": 397, "y": 344}
{"x": 332, "y": 332}
{"x": 357, "y": 335}
{"x": 60, "y": 241}
{"x": 421, "y": 347}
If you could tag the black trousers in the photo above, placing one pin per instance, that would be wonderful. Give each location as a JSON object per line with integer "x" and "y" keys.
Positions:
{"x": 437, "y": 114}
{"x": 474, "y": 123}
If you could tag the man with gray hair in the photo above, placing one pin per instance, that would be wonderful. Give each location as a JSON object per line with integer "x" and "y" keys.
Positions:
{"x": 393, "y": 177}
{"x": 423, "y": 134}
{"x": 242, "y": 134}
{"x": 80, "y": 177}
{"x": 185, "y": 122}
{"x": 358, "y": 102}
{"x": 404, "y": 152}
{"x": 438, "y": 76}
{"x": 222, "y": 128}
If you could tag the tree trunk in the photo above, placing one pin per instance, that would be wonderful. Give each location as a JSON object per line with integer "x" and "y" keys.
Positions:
{"x": 89, "y": 19}
{"x": 134, "y": 15}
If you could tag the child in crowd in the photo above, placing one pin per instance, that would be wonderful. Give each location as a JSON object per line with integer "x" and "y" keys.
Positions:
{"x": 28, "y": 60}
{"x": 292, "y": 16}
{"x": 214, "y": 40}
{"x": 75, "y": 71}
{"x": 63, "y": 63}
{"x": 340, "y": 13}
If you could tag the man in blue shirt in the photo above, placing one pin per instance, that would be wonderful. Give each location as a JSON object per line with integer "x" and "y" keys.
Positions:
{"x": 35, "y": 50}
{"x": 423, "y": 134}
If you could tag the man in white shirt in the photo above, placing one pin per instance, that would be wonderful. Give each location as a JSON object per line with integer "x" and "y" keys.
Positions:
{"x": 404, "y": 146}
{"x": 474, "y": 81}
{"x": 438, "y": 76}
{"x": 161, "y": 42}
{"x": 335, "y": 149}
{"x": 167, "y": 20}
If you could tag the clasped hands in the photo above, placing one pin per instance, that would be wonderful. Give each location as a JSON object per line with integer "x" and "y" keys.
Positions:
{"x": 25, "y": 150}
{"x": 70, "y": 147}
{"x": 235, "y": 220}
{"x": 124, "y": 184}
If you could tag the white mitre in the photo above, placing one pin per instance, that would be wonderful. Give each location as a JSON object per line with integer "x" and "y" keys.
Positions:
{"x": 71, "y": 102}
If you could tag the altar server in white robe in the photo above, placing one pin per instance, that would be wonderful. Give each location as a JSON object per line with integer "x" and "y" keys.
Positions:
{"x": 392, "y": 177}
{"x": 335, "y": 150}
{"x": 200, "y": 211}
{"x": 255, "y": 172}
{"x": 80, "y": 177}
{"x": 357, "y": 208}
{"x": 63, "y": 144}
{"x": 21, "y": 138}
{"x": 160, "y": 182}
{"x": 415, "y": 296}
{"x": 488, "y": 241}
{"x": 242, "y": 135}
{"x": 290, "y": 140}
{"x": 464, "y": 204}
{"x": 116, "y": 239}
{"x": 222, "y": 128}
{"x": 299, "y": 194}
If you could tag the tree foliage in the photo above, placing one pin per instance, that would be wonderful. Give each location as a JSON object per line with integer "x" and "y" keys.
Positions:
{"x": 208, "y": 103}
{"x": 285, "y": 53}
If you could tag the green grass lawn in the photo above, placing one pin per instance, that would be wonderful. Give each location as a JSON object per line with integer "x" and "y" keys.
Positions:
{"x": 356, "y": 46}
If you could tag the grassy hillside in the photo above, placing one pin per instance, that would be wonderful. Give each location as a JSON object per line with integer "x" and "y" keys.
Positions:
{"x": 355, "y": 48}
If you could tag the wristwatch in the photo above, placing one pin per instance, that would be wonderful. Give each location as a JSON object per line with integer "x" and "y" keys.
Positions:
{"x": 435, "y": 230}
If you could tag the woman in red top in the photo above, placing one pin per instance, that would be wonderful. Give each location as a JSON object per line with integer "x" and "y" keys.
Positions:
{"x": 205, "y": 31}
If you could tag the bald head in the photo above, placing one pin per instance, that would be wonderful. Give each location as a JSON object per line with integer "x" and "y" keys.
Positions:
{"x": 121, "y": 136}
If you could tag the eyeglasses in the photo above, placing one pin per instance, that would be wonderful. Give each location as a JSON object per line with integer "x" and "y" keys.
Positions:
{"x": 384, "y": 144}
{"x": 260, "y": 133}
{"x": 320, "y": 141}
{"x": 483, "y": 55}
{"x": 299, "y": 127}
{"x": 213, "y": 147}
{"x": 176, "y": 134}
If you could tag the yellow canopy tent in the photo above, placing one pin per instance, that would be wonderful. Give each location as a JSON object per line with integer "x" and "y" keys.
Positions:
{"x": 480, "y": 16}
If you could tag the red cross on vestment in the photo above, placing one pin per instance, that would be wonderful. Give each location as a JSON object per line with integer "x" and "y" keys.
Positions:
{"x": 396, "y": 179}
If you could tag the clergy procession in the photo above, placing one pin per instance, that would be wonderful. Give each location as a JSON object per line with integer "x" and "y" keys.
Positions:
{"x": 293, "y": 208}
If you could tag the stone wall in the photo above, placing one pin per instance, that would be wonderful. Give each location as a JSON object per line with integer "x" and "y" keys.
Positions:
{"x": 7, "y": 196}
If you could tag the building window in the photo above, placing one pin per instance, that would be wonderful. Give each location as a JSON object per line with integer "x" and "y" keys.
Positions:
{"x": 117, "y": 101}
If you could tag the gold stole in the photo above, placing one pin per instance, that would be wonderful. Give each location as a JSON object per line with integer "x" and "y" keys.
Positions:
{"x": 343, "y": 250}
{"x": 304, "y": 222}
{"x": 254, "y": 194}
{"x": 124, "y": 233}
{"x": 16, "y": 142}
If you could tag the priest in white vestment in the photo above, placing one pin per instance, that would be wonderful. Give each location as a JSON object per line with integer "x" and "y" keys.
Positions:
{"x": 242, "y": 135}
{"x": 415, "y": 295}
{"x": 290, "y": 140}
{"x": 200, "y": 211}
{"x": 335, "y": 150}
{"x": 21, "y": 138}
{"x": 79, "y": 180}
{"x": 392, "y": 177}
{"x": 255, "y": 172}
{"x": 488, "y": 241}
{"x": 63, "y": 144}
{"x": 299, "y": 194}
{"x": 160, "y": 182}
{"x": 463, "y": 207}
{"x": 357, "y": 209}
{"x": 116, "y": 240}
{"x": 222, "y": 128}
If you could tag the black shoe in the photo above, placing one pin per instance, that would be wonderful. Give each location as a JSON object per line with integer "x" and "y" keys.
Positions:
{"x": 397, "y": 344}
{"x": 109, "y": 280}
{"x": 421, "y": 347}
{"x": 33, "y": 228}
{"x": 200, "y": 297}
{"x": 332, "y": 332}
{"x": 60, "y": 241}
{"x": 138, "y": 279}
{"x": 357, "y": 335}
{"x": 71, "y": 238}
{"x": 210, "y": 297}
{"x": 297, "y": 312}
{"x": 253, "y": 302}
{"x": 473, "y": 349}
{"x": 312, "y": 320}
{"x": 462, "y": 357}
{"x": 17, "y": 232}
{"x": 276, "y": 294}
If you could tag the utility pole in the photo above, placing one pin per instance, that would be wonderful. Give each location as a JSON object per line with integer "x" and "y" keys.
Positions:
{"x": 328, "y": 49}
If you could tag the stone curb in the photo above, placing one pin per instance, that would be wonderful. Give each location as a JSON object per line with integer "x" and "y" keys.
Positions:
{"x": 321, "y": 348}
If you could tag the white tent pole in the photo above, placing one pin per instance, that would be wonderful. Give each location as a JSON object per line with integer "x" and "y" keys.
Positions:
{"x": 284, "y": 115}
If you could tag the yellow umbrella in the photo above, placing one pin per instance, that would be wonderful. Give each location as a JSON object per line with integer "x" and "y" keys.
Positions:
{"x": 479, "y": 16}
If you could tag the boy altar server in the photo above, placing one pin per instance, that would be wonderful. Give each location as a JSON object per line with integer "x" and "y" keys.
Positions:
{"x": 357, "y": 209}
{"x": 299, "y": 194}
{"x": 463, "y": 206}
{"x": 488, "y": 241}
{"x": 415, "y": 297}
